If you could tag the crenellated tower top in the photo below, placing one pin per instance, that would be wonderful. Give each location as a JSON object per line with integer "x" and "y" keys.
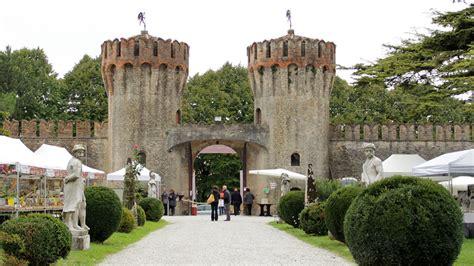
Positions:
{"x": 292, "y": 49}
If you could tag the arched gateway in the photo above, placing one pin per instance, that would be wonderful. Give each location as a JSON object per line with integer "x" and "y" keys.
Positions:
{"x": 291, "y": 78}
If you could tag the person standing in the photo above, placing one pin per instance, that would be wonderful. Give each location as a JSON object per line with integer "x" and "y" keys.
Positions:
{"x": 226, "y": 202}
{"x": 164, "y": 199}
{"x": 221, "y": 203}
{"x": 172, "y": 201}
{"x": 248, "y": 200}
{"x": 215, "y": 192}
{"x": 236, "y": 200}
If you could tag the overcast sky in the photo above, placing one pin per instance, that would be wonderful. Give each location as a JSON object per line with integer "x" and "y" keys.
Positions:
{"x": 216, "y": 31}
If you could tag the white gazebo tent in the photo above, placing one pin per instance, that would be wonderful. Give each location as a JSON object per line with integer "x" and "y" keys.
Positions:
{"x": 144, "y": 175}
{"x": 277, "y": 173}
{"x": 453, "y": 163}
{"x": 401, "y": 164}
{"x": 57, "y": 158}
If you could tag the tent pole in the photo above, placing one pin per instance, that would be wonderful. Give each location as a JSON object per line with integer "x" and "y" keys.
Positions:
{"x": 17, "y": 189}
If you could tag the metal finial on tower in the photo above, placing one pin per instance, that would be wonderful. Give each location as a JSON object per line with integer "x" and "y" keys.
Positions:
{"x": 141, "y": 19}
{"x": 288, "y": 16}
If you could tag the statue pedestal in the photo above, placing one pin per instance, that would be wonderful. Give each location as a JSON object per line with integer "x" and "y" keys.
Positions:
{"x": 80, "y": 239}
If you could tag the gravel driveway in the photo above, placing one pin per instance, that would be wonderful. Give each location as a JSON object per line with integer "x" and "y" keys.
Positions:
{"x": 244, "y": 240}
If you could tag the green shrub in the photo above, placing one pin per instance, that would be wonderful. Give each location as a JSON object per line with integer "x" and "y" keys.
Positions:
{"x": 141, "y": 216}
{"x": 45, "y": 238}
{"x": 325, "y": 187}
{"x": 13, "y": 261}
{"x": 312, "y": 219}
{"x": 153, "y": 208}
{"x": 127, "y": 223}
{"x": 404, "y": 221}
{"x": 336, "y": 208}
{"x": 104, "y": 212}
{"x": 290, "y": 206}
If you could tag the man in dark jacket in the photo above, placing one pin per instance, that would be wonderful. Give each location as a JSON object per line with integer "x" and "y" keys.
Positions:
{"x": 226, "y": 202}
{"x": 248, "y": 200}
{"x": 215, "y": 192}
{"x": 236, "y": 200}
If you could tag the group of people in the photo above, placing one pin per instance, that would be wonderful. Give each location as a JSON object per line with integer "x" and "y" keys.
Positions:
{"x": 221, "y": 200}
{"x": 169, "y": 201}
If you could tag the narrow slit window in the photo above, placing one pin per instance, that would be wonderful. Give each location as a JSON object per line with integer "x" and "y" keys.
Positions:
{"x": 285, "y": 48}
{"x": 172, "y": 51}
{"x": 303, "y": 48}
{"x": 136, "y": 49}
{"x": 119, "y": 49}
{"x": 178, "y": 117}
{"x": 269, "y": 50}
{"x": 255, "y": 52}
{"x": 155, "y": 49}
{"x": 258, "y": 116}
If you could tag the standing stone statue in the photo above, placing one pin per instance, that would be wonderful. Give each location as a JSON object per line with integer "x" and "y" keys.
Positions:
{"x": 311, "y": 193}
{"x": 152, "y": 187}
{"x": 285, "y": 184}
{"x": 74, "y": 209}
{"x": 372, "y": 169}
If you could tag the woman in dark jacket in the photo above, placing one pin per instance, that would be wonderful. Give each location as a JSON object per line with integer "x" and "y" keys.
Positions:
{"x": 172, "y": 201}
{"x": 215, "y": 192}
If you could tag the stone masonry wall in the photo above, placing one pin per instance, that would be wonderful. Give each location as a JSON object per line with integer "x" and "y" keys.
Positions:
{"x": 429, "y": 141}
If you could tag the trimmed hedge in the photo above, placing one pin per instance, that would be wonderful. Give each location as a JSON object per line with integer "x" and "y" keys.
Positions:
{"x": 46, "y": 239}
{"x": 290, "y": 206}
{"x": 104, "y": 212}
{"x": 153, "y": 208}
{"x": 336, "y": 208}
{"x": 312, "y": 219}
{"x": 404, "y": 221}
{"x": 127, "y": 223}
{"x": 141, "y": 216}
{"x": 325, "y": 187}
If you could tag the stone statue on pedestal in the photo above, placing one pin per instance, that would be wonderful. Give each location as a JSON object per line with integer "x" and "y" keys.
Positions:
{"x": 74, "y": 209}
{"x": 285, "y": 184}
{"x": 372, "y": 169}
{"x": 152, "y": 186}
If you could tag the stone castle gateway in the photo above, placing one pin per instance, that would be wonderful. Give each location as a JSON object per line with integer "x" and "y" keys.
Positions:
{"x": 291, "y": 79}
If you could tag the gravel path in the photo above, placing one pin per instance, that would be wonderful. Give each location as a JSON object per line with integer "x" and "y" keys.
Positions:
{"x": 244, "y": 240}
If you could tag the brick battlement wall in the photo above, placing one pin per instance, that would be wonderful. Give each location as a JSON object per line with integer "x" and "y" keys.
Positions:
{"x": 429, "y": 141}
{"x": 66, "y": 134}
{"x": 345, "y": 146}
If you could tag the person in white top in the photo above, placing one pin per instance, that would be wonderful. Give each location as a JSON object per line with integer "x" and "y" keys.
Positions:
{"x": 372, "y": 169}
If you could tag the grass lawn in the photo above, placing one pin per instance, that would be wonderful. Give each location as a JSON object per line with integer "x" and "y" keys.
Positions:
{"x": 466, "y": 257}
{"x": 114, "y": 244}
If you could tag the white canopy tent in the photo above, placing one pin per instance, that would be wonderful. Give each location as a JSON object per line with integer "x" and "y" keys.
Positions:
{"x": 55, "y": 157}
{"x": 13, "y": 151}
{"x": 277, "y": 173}
{"x": 144, "y": 175}
{"x": 401, "y": 164}
{"x": 457, "y": 163}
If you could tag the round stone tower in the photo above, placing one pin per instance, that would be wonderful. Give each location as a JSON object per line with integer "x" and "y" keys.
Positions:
{"x": 291, "y": 79}
{"x": 144, "y": 78}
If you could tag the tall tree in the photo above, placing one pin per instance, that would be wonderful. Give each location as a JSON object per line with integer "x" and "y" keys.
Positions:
{"x": 424, "y": 73}
{"x": 28, "y": 74}
{"x": 85, "y": 92}
{"x": 225, "y": 93}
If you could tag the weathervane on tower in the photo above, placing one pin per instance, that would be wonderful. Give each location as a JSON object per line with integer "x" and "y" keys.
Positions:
{"x": 288, "y": 16}
{"x": 141, "y": 19}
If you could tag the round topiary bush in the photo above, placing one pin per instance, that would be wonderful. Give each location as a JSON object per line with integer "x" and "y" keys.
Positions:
{"x": 127, "y": 223}
{"x": 104, "y": 212}
{"x": 336, "y": 208}
{"x": 45, "y": 238}
{"x": 141, "y": 216}
{"x": 312, "y": 219}
{"x": 153, "y": 208}
{"x": 404, "y": 221}
{"x": 290, "y": 206}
